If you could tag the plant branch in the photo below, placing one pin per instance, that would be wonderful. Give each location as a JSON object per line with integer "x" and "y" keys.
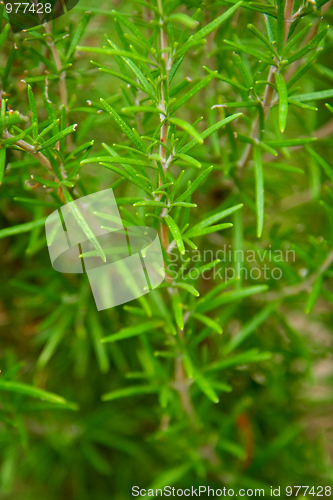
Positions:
{"x": 164, "y": 128}
{"x": 288, "y": 19}
{"x": 62, "y": 78}
{"x": 181, "y": 381}
{"x": 182, "y": 387}
{"x": 305, "y": 285}
{"x": 62, "y": 75}
{"x": 269, "y": 90}
{"x": 31, "y": 150}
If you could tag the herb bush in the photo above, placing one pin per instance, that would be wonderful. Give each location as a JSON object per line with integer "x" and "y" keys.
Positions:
{"x": 212, "y": 123}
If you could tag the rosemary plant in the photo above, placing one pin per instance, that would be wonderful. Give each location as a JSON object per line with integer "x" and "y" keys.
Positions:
{"x": 211, "y": 121}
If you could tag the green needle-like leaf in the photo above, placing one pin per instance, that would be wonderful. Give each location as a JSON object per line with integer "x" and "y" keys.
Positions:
{"x": 22, "y": 228}
{"x": 142, "y": 109}
{"x": 228, "y": 297}
{"x": 150, "y": 203}
{"x": 4, "y": 34}
{"x": 124, "y": 127}
{"x": 29, "y": 390}
{"x": 83, "y": 224}
{"x": 262, "y": 37}
{"x": 211, "y": 26}
{"x": 33, "y": 109}
{"x": 130, "y": 391}
{"x": 148, "y": 86}
{"x": 286, "y": 143}
{"x": 195, "y": 184}
{"x": 129, "y": 177}
{"x": 177, "y": 307}
{"x": 2, "y": 162}
{"x": 133, "y": 331}
{"x": 209, "y": 221}
{"x": 315, "y": 292}
{"x": 175, "y": 233}
{"x": 259, "y": 180}
{"x": 314, "y": 96}
{"x": 78, "y": 35}
{"x": 209, "y": 132}
{"x": 309, "y": 46}
{"x": 132, "y": 27}
{"x": 188, "y": 159}
{"x": 283, "y": 101}
{"x": 189, "y": 288}
{"x": 182, "y": 19}
{"x": 58, "y": 137}
{"x": 199, "y": 86}
{"x": 248, "y": 50}
{"x": 250, "y": 327}
{"x": 208, "y": 322}
{"x": 117, "y": 52}
{"x": 280, "y": 24}
{"x": 53, "y": 341}
{"x": 96, "y": 332}
{"x": 325, "y": 166}
{"x": 188, "y": 128}
{"x": 118, "y": 159}
{"x": 205, "y": 386}
{"x": 250, "y": 356}
{"x": 192, "y": 233}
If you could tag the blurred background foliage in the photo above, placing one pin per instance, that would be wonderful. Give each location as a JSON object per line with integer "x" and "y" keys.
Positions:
{"x": 163, "y": 403}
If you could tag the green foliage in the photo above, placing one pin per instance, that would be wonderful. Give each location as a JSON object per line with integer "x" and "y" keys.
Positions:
{"x": 190, "y": 113}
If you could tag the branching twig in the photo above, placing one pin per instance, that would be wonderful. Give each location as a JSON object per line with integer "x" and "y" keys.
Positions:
{"x": 31, "y": 150}
{"x": 164, "y": 128}
{"x": 181, "y": 382}
{"x": 269, "y": 90}
{"x": 304, "y": 286}
{"x": 62, "y": 75}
